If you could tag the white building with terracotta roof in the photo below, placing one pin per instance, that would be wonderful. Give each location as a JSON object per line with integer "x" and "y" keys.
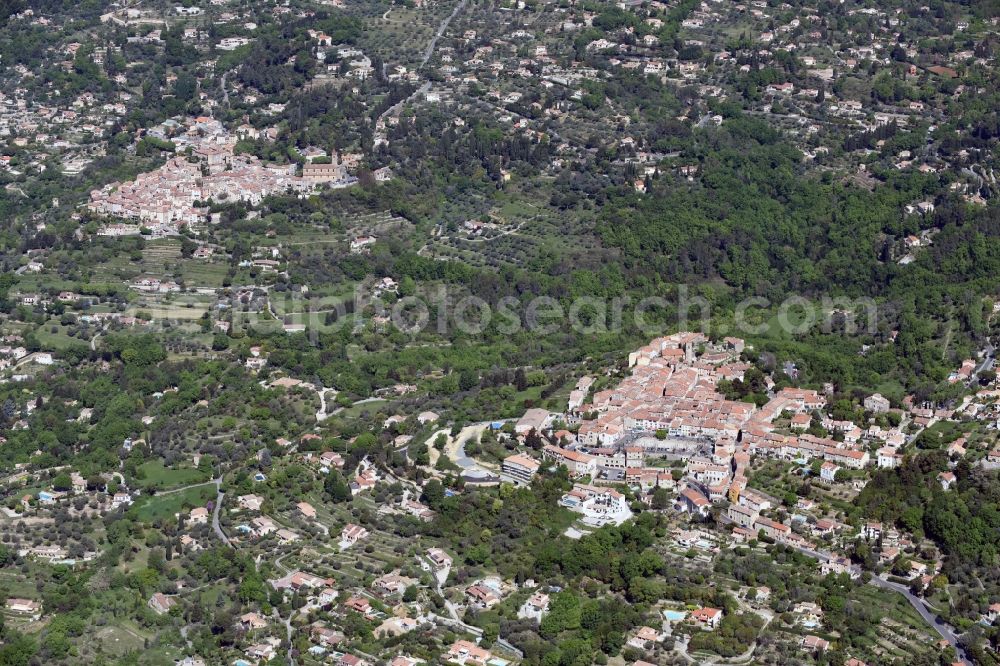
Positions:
{"x": 599, "y": 505}
{"x": 520, "y": 468}
{"x": 577, "y": 462}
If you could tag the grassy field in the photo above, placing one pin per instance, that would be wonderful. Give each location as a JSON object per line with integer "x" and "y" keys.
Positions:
{"x": 55, "y": 336}
{"x": 158, "y": 253}
{"x": 119, "y": 640}
{"x": 187, "y": 309}
{"x": 159, "y": 476}
{"x": 284, "y": 304}
{"x": 210, "y": 594}
{"x": 354, "y": 411}
{"x": 161, "y": 655}
{"x": 156, "y": 507}
{"x": 162, "y": 258}
{"x": 36, "y": 282}
{"x": 201, "y": 273}
{"x": 16, "y": 584}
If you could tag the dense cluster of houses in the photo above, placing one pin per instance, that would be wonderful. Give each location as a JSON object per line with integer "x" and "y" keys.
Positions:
{"x": 669, "y": 407}
{"x": 177, "y": 193}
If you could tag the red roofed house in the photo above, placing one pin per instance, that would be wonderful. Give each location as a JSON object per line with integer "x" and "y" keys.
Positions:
{"x": 708, "y": 618}
{"x": 359, "y": 604}
{"x": 694, "y": 502}
{"x": 468, "y": 654}
{"x": 161, "y": 603}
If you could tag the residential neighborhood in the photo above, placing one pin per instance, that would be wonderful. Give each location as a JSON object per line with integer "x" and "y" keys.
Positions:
{"x": 518, "y": 333}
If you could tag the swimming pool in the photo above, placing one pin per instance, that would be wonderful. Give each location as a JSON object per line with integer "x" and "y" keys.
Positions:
{"x": 674, "y": 616}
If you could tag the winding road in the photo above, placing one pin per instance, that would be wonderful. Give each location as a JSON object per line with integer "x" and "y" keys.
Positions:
{"x": 225, "y": 93}
{"x": 738, "y": 660}
{"x": 454, "y": 448}
{"x": 429, "y": 51}
{"x": 215, "y": 512}
{"x": 945, "y": 630}
{"x": 989, "y": 360}
{"x": 322, "y": 414}
{"x": 288, "y": 631}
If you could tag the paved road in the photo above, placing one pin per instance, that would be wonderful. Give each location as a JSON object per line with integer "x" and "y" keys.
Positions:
{"x": 455, "y": 448}
{"x": 738, "y": 660}
{"x": 946, "y": 631}
{"x": 989, "y": 358}
{"x": 215, "y": 512}
{"x": 279, "y": 565}
{"x": 447, "y": 621}
{"x": 321, "y": 414}
{"x": 288, "y": 631}
{"x": 183, "y": 488}
{"x": 429, "y": 51}
{"x": 506, "y": 645}
{"x": 457, "y": 451}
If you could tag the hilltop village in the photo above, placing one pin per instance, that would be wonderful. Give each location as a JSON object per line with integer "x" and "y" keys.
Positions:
{"x": 178, "y": 193}
{"x": 692, "y": 433}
